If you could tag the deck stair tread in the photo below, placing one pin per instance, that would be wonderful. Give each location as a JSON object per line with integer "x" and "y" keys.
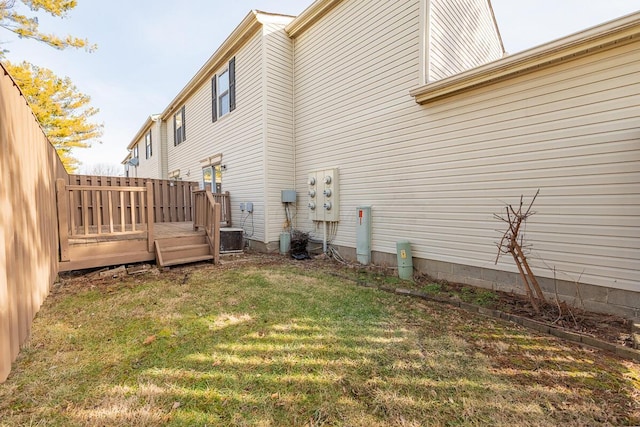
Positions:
{"x": 182, "y": 240}
{"x": 184, "y": 247}
{"x": 187, "y": 260}
{"x": 182, "y": 250}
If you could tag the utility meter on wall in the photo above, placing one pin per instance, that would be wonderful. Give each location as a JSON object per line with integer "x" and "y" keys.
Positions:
{"x": 313, "y": 201}
{"x": 323, "y": 195}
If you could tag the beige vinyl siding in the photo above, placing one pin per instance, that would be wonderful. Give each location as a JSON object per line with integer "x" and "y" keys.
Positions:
{"x": 149, "y": 168}
{"x": 353, "y": 71}
{"x": 236, "y": 135}
{"x": 163, "y": 147}
{"x": 462, "y": 35}
{"x": 436, "y": 174}
{"x": 279, "y": 169}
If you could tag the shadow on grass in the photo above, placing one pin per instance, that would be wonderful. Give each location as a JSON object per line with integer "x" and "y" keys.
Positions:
{"x": 274, "y": 346}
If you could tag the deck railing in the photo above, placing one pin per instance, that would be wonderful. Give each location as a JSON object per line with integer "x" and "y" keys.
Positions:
{"x": 207, "y": 215}
{"x": 172, "y": 201}
{"x": 224, "y": 200}
{"x": 113, "y": 211}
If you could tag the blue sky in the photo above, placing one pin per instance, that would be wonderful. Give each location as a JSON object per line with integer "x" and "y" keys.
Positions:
{"x": 149, "y": 49}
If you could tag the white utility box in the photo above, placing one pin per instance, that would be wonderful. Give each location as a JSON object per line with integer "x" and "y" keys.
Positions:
{"x": 323, "y": 190}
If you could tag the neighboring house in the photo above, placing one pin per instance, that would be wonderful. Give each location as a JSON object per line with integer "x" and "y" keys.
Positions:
{"x": 126, "y": 163}
{"x": 412, "y": 104}
{"x": 231, "y": 127}
{"x": 147, "y": 155}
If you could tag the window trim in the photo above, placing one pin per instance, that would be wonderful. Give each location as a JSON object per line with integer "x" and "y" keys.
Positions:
{"x": 216, "y": 171}
{"x": 136, "y": 152}
{"x": 179, "y": 134}
{"x": 148, "y": 145}
{"x": 215, "y": 95}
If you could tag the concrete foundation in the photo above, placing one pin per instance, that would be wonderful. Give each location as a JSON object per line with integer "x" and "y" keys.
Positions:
{"x": 269, "y": 248}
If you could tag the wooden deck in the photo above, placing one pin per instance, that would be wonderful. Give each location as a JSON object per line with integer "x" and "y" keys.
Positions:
{"x": 101, "y": 225}
{"x": 99, "y": 251}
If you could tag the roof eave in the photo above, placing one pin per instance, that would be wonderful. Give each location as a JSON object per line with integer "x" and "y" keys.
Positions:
{"x": 249, "y": 25}
{"x": 145, "y": 127}
{"x": 309, "y": 16}
{"x": 614, "y": 33}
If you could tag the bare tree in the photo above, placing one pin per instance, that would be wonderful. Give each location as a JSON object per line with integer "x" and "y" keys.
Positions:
{"x": 512, "y": 242}
{"x": 102, "y": 169}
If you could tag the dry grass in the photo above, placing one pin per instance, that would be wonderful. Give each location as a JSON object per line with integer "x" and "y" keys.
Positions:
{"x": 271, "y": 345}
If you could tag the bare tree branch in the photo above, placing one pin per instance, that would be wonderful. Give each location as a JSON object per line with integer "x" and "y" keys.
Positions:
{"x": 512, "y": 242}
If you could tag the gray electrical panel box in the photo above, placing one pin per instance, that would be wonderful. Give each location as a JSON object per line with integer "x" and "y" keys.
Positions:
{"x": 363, "y": 234}
{"x": 288, "y": 196}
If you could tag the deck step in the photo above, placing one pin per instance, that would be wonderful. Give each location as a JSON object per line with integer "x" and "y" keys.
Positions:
{"x": 187, "y": 260}
{"x": 182, "y": 250}
{"x": 186, "y": 248}
{"x": 182, "y": 240}
{"x": 178, "y": 252}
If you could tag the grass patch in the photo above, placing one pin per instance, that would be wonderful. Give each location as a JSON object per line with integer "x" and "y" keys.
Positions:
{"x": 279, "y": 345}
{"x": 477, "y": 296}
{"x": 433, "y": 288}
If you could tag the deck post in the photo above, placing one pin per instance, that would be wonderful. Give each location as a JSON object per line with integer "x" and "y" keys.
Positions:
{"x": 196, "y": 213}
{"x": 149, "y": 186}
{"x": 227, "y": 204}
{"x": 63, "y": 218}
{"x": 217, "y": 216}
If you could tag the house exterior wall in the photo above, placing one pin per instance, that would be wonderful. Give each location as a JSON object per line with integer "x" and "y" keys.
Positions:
{"x": 238, "y": 136}
{"x": 436, "y": 174}
{"x": 143, "y": 164}
{"x": 163, "y": 157}
{"x": 567, "y": 130}
{"x": 131, "y": 171}
{"x": 461, "y": 35}
{"x": 151, "y": 167}
{"x": 353, "y": 71}
{"x": 278, "y": 132}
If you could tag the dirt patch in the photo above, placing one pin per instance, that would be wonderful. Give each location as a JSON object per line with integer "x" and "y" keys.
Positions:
{"x": 610, "y": 328}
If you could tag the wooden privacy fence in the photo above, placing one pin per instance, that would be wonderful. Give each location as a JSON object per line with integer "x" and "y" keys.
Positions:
{"x": 224, "y": 200}
{"x": 29, "y": 167}
{"x": 172, "y": 200}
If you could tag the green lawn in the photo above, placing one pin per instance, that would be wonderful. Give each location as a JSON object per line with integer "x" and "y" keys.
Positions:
{"x": 262, "y": 343}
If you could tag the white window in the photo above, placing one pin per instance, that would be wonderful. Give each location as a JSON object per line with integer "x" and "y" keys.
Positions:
{"x": 179, "y": 127}
{"x": 223, "y": 91}
{"x": 147, "y": 145}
